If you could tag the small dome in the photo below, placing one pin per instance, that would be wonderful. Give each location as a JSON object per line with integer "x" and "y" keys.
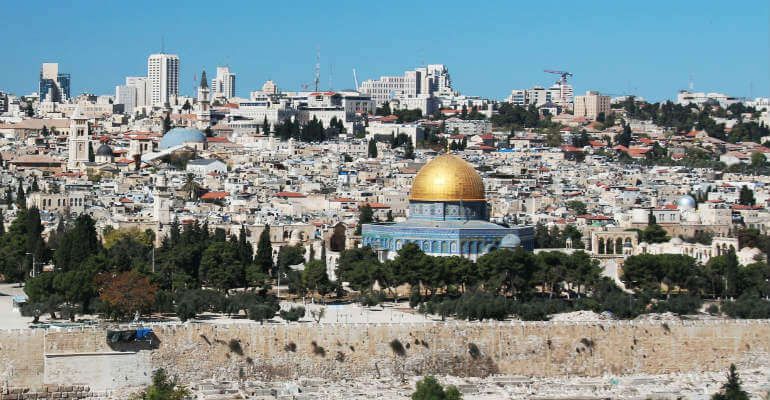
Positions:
{"x": 510, "y": 241}
{"x": 676, "y": 240}
{"x": 180, "y": 136}
{"x": 686, "y": 202}
{"x": 447, "y": 178}
{"x": 104, "y": 150}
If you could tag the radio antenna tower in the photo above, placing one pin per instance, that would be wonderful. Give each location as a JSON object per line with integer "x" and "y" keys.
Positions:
{"x": 317, "y": 67}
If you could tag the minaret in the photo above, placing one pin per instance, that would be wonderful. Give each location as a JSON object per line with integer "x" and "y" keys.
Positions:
{"x": 204, "y": 113}
{"x": 77, "y": 142}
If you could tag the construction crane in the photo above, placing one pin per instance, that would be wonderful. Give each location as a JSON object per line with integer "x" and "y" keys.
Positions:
{"x": 564, "y": 75}
{"x": 562, "y": 85}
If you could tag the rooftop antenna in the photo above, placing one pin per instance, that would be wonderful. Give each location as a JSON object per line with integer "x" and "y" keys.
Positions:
{"x": 317, "y": 67}
{"x": 331, "y": 74}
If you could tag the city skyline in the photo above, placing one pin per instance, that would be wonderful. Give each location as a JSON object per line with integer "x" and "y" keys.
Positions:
{"x": 617, "y": 53}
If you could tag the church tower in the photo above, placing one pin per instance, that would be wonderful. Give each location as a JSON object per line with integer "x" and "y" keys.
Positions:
{"x": 204, "y": 112}
{"x": 78, "y": 140}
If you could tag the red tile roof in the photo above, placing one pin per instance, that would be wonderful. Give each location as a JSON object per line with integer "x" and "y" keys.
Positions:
{"x": 214, "y": 196}
{"x": 289, "y": 194}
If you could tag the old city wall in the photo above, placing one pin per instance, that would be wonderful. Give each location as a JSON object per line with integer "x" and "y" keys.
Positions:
{"x": 330, "y": 351}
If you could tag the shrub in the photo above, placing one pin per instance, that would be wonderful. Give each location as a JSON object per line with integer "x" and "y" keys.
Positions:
{"x": 235, "y": 346}
{"x": 749, "y": 305}
{"x": 680, "y": 305}
{"x": 293, "y": 314}
{"x": 397, "y": 347}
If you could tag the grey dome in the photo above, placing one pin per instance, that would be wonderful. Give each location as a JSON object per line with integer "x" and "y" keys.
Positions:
{"x": 686, "y": 202}
{"x": 180, "y": 136}
{"x": 510, "y": 241}
{"x": 104, "y": 150}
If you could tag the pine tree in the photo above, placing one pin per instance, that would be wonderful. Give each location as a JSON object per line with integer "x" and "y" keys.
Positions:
{"x": 34, "y": 187}
{"x": 2, "y": 223}
{"x": 91, "y": 156}
{"x": 264, "y": 257}
{"x": 323, "y": 252}
{"x": 372, "y": 148}
{"x": 8, "y": 197}
{"x": 311, "y": 253}
{"x": 265, "y": 127}
{"x": 746, "y": 196}
{"x": 245, "y": 251}
{"x": 21, "y": 198}
{"x": 732, "y": 389}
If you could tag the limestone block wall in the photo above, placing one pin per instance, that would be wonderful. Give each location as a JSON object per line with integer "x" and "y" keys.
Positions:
{"x": 283, "y": 351}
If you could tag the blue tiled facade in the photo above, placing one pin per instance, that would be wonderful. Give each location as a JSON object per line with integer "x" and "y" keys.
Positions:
{"x": 444, "y": 229}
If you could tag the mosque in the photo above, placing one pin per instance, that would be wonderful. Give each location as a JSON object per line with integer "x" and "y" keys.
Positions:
{"x": 448, "y": 216}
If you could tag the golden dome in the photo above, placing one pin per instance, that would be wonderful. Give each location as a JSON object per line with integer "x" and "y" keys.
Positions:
{"x": 447, "y": 178}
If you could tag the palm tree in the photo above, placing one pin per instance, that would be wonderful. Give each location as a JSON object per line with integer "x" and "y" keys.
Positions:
{"x": 191, "y": 187}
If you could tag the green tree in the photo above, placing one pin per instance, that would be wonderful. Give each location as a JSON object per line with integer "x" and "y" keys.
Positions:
{"x": 577, "y": 206}
{"x": 731, "y": 390}
{"x": 746, "y": 196}
{"x": 758, "y": 160}
{"x": 265, "y": 127}
{"x": 21, "y": 198}
{"x": 166, "y": 124}
{"x": 221, "y": 267}
{"x": 506, "y": 270}
{"x": 409, "y": 150}
{"x": 264, "y": 258}
{"x": 365, "y": 216}
{"x": 314, "y": 277}
{"x": 91, "y": 156}
{"x": 653, "y": 233}
{"x": 430, "y": 389}
{"x": 77, "y": 244}
{"x": 372, "y": 148}
{"x": 359, "y": 267}
{"x": 164, "y": 388}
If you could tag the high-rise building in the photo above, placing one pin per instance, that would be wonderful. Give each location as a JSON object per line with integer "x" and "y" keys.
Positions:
{"x": 591, "y": 105}
{"x": 223, "y": 85}
{"x": 426, "y": 82}
{"x": 126, "y": 95}
{"x": 140, "y": 83}
{"x": 3, "y": 102}
{"x": 54, "y": 86}
{"x": 163, "y": 78}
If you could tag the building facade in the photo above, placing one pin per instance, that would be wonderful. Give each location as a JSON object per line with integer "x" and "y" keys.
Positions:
{"x": 163, "y": 78}
{"x": 448, "y": 216}
{"x": 223, "y": 85}
{"x": 591, "y": 105}
{"x": 54, "y": 86}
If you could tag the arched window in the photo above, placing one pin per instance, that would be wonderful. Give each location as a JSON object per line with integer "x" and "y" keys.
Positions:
{"x": 444, "y": 247}
{"x": 619, "y": 246}
{"x": 601, "y": 246}
{"x": 453, "y": 247}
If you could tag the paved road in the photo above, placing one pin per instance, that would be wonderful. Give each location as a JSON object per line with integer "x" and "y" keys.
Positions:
{"x": 9, "y": 318}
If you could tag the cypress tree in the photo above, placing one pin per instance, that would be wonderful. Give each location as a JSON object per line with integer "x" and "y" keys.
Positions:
{"x": 2, "y": 222}
{"x": 91, "y": 156}
{"x": 264, "y": 257}
{"x": 21, "y": 198}
{"x": 372, "y": 148}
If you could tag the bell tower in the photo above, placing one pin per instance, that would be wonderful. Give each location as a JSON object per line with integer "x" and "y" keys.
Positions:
{"x": 204, "y": 112}
{"x": 78, "y": 139}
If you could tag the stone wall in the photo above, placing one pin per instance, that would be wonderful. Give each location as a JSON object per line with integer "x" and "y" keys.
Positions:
{"x": 284, "y": 351}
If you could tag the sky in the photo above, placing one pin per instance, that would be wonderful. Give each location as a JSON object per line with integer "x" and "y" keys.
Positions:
{"x": 648, "y": 48}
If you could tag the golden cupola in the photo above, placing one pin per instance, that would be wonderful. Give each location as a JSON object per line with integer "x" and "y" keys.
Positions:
{"x": 447, "y": 178}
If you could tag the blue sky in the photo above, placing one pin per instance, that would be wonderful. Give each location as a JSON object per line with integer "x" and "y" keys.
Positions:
{"x": 650, "y": 48}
